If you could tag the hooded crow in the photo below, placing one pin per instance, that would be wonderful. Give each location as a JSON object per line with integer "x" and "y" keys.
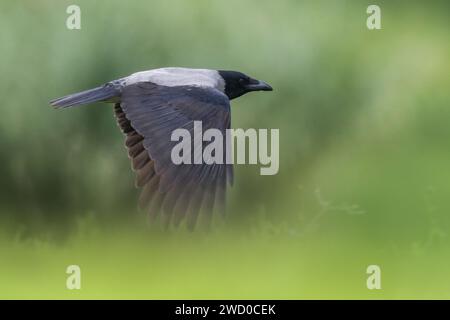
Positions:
{"x": 149, "y": 106}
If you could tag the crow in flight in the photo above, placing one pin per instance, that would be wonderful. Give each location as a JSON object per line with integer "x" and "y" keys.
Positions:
{"x": 149, "y": 106}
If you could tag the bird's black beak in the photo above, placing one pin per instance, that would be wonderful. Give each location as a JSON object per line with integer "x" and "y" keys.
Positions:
{"x": 257, "y": 85}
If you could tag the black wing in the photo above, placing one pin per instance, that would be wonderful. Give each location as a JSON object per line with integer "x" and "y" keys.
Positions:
{"x": 148, "y": 114}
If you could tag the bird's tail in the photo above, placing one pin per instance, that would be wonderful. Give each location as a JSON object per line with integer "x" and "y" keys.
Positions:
{"x": 104, "y": 93}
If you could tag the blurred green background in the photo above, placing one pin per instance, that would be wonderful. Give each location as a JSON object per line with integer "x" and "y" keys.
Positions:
{"x": 364, "y": 154}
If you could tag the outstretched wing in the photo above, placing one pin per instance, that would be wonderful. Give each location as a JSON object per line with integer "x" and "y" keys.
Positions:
{"x": 148, "y": 114}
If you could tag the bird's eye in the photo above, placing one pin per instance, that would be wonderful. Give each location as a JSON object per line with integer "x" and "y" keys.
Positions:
{"x": 243, "y": 81}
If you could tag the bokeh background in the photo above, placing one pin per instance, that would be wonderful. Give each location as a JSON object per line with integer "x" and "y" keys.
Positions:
{"x": 364, "y": 151}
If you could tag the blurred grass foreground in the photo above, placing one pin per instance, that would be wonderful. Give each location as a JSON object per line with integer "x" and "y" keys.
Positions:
{"x": 364, "y": 155}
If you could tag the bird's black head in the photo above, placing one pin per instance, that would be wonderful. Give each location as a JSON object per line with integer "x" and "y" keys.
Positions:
{"x": 237, "y": 84}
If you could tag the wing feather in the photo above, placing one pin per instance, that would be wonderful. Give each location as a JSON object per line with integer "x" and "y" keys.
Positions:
{"x": 148, "y": 114}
